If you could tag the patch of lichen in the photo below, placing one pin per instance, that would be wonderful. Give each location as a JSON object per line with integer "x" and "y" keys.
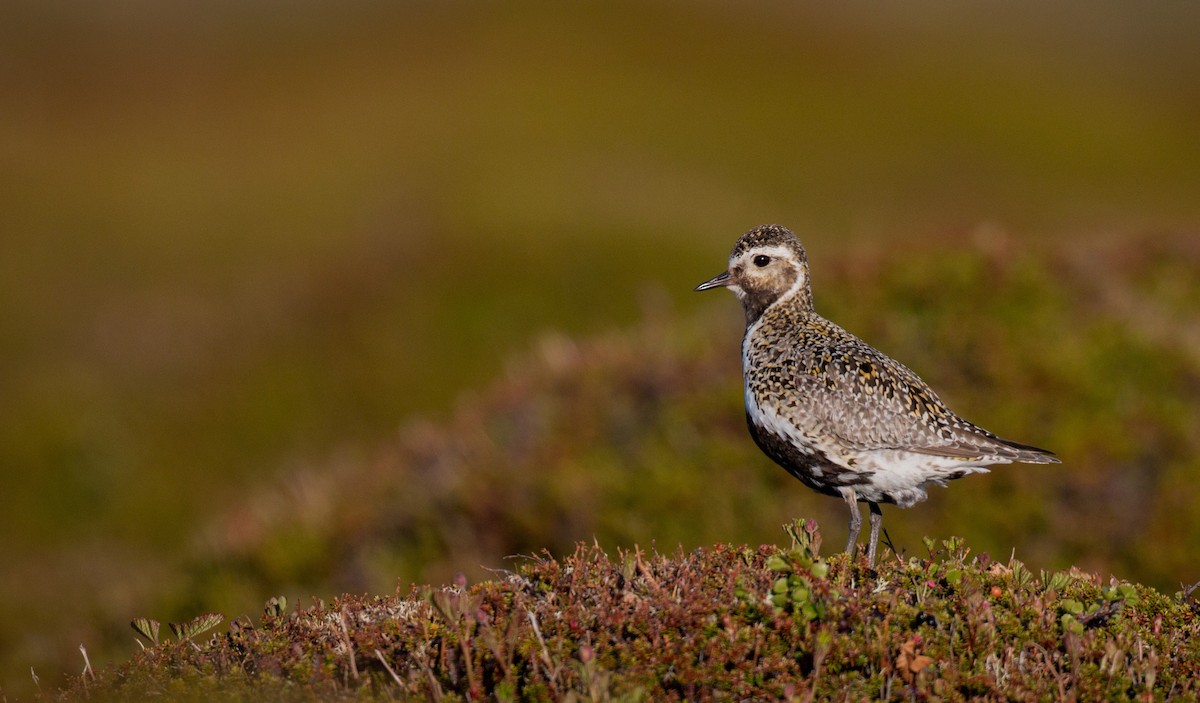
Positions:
{"x": 706, "y": 624}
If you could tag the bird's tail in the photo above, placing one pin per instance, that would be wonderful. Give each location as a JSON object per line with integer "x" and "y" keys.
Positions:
{"x": 1027, "y": 453}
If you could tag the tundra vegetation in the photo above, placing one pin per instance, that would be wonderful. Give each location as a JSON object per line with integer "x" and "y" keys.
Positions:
{"x": 639, "y": 432}
{"x": 719, "y": 623}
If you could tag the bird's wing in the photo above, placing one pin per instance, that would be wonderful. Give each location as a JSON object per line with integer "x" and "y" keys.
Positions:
{"x": 864, "y": 400}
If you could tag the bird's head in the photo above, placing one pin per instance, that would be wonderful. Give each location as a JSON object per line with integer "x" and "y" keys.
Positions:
{"x": 767, "y": 265}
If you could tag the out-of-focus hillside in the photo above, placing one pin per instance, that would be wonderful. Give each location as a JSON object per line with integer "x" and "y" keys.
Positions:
{"x": 240, "y": 239}
{"x": 640, "y": 435}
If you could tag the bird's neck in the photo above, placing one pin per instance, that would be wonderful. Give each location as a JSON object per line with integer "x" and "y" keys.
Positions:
{"x": 757, "y": 304}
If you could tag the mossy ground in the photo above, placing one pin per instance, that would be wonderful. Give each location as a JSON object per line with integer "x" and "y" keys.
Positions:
{"x": 720, "y": 623}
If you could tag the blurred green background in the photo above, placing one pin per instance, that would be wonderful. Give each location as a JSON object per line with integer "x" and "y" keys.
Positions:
{"x": 244, "y": 243}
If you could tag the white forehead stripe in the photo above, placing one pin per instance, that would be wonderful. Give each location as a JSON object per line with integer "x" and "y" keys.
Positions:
{"x": 775, "y": 252}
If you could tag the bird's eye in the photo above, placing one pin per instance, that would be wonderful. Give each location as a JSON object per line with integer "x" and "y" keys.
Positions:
{"x": 762, "y": 260}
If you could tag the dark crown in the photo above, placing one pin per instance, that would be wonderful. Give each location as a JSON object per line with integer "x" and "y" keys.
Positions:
{"x": 769, "y": 235}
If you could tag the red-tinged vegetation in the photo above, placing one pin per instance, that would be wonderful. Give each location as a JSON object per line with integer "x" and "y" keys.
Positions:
{"x": 638, "y": 437}
{"x": 722, "y": 623}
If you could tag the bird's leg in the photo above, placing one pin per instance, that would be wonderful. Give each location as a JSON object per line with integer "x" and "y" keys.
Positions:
{"x": 855, "y": 519}
{"x": 876, "y": 522}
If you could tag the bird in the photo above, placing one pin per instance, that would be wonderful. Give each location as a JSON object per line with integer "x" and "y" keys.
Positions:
{"x": 844, "y": 418}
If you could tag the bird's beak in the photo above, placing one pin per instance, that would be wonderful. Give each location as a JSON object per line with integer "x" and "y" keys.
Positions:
{"x": 718, "y": 281}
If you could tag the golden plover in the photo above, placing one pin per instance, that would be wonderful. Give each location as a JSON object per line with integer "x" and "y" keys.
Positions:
{"x": 839, "y": 415}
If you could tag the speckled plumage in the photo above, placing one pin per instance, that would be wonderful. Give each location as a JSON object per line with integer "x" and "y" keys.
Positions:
{"x": 839, "y": 415}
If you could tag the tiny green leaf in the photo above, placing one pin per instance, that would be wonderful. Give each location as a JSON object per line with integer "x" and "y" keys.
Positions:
{"x": 276, "y": 606}
{"x": 196, "y": 626}
{"x": 146, "y": 628}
